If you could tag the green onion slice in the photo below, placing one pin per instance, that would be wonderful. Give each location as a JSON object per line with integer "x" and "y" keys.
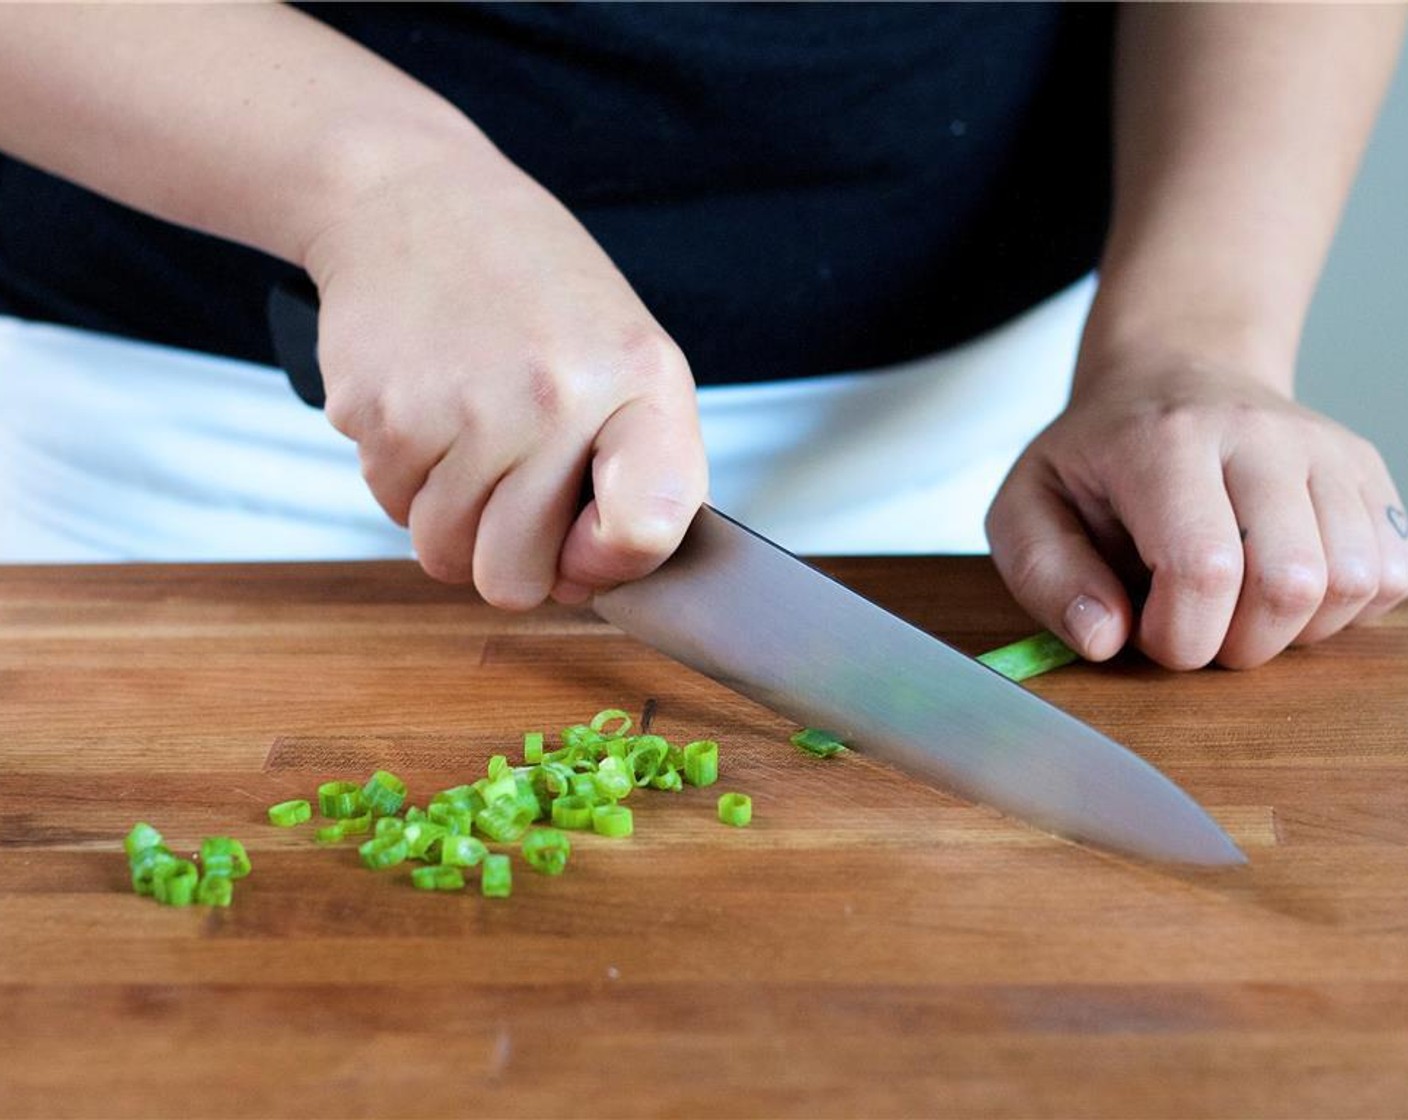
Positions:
{"x": 384, "y": 793}
{"x": 142, "y": 837}
{"x": 496, "y": 880}
{"x": 215, "y": 890}
{"x": 668, "y": 780}
{"x": 701, "y": 762}
{"x": 1030, "y": 657}
{"x": 735, "y": 809}
{"x": 572, "y": 811}
{"x": 532, "y": 747}
{"x": 457, "y": 797}
{"x": 422, "y": 838}
{"x": 339, "y": 799}
{"x": 384, "y": 851}
{"x": 610, "y": 715}
{"x": 547, "y": 850}
{"x": 145, "y": 864}
{"x": 645, "y": 759}
{"x": 455, "y": 822}
{"x": 434, "y": 877}
{"x": 612, "y": 820}
{"x": 613, "y": 778}
{"x": 504, "y": 821}
{"x": 813, "y": 740}
{"x": 174, "y": 882}
{"x": 462, "y": 851}
{"x": 286, "y": 814}
{"x": 224, "y": 856}
{"x": 330, "y": 834}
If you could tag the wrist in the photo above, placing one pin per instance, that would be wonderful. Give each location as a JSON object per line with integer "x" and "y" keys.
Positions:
{"x": 1139, "y": 331}
{"x": 372, "y": 177}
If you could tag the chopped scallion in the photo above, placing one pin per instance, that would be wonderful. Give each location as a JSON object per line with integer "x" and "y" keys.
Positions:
{"x": 611, "y": 715}
{"x": 462, "y": 851}
{"x": 547, "y": 850}
{"x": 815, "y": 741}
{"x": 174, "y": 882}
{"x": 496, "y": 879}
{"x": 701, "y": 762}
{"x": 735, "y": 809}
{"x": 1030, "y": 657}
{"x": 612, "y": 820}
{"x": 384, "y": 851}
{"x": 435, "y": 877}
{"x": 384, "y": 793}
{"x": 215, "y": 890}
{"x": 572, "y": 811}
{"x": 339, "y": 799}
{"x": 286, "y": 814}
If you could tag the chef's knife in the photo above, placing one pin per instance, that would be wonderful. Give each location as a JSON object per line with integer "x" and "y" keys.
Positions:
{"x": 750, "y": 615}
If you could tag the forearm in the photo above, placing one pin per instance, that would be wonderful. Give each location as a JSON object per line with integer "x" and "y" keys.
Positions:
{"x": 252, "y": 122}
{"x": 1238, "y": 131}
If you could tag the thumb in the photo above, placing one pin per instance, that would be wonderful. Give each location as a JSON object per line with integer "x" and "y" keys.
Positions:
{"x": 1046, "y": 558}
{"x": 649, "y": 478}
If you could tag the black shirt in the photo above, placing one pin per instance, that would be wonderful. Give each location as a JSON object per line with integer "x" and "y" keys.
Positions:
{"x": 791, "y": 188}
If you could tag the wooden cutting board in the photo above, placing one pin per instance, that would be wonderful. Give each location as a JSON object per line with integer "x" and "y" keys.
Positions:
{"x": 869, "y": 947}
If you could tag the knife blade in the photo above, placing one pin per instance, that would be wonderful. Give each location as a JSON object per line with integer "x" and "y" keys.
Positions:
{"x": 750, "y": 615}
{"x": 738, "y": 608}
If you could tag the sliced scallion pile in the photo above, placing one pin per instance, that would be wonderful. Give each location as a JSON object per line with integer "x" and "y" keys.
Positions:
{"x": 577, "y": 786}
{"x": 173, "y": 881}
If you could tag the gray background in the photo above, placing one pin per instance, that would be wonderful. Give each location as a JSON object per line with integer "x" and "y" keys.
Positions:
{"x": 1354, "y": 359}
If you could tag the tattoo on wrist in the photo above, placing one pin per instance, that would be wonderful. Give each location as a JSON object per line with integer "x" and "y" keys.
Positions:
{"x": 1398, "y": 518}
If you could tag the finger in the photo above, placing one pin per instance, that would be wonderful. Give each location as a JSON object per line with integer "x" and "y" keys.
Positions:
{"x": 1351, "y": 549}
{"x": 522, "y": 528}
{"x": 1386, "y": 510}
{"x": 1285, "y": 572}
{"x": 1048, "y": 562}
{"x": 444, "y": 514}
{"x": 398, "y": 446}
{"x": 649, "y": 478}
{"x": 1176, "y": 509}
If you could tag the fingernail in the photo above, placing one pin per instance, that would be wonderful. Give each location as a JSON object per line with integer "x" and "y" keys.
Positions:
{"x": 1083, "y": 619}
{"x": 571, "y": 594}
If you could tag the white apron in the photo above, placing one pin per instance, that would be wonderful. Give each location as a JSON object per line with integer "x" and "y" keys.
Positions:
{"x": 113, "y": 450}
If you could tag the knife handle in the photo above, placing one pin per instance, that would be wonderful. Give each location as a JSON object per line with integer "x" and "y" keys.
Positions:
{"x": 292, "y": 313}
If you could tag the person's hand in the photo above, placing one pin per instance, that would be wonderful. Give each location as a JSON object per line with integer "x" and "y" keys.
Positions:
{"x": 1252, "y": 522}
{"x": 485, "y": 355}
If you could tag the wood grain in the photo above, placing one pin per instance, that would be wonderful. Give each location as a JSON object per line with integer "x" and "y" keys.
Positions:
{"x": 870, "y": 947}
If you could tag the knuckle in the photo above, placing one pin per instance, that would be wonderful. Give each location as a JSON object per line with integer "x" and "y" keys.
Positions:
{"x": 1393, "y": 582}
{"x": 550, "y": 395}
{"x": 1291, "y": 588}
{"x": 384, "y": 423}
{"x": 649, "y": 355}
{"x": 1211, "y": 571}
{"x": 1349, "y": 582}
